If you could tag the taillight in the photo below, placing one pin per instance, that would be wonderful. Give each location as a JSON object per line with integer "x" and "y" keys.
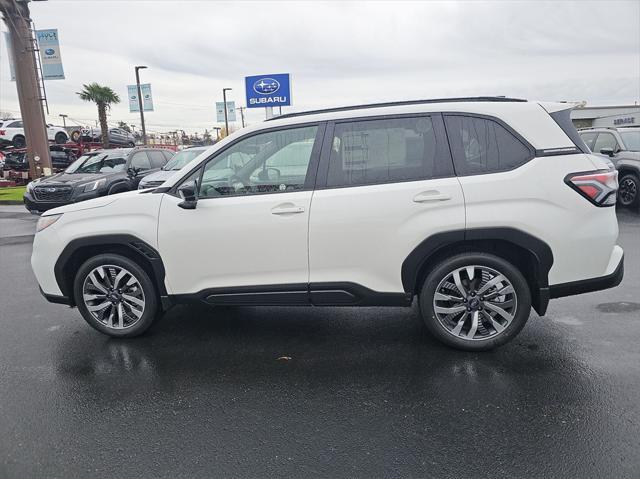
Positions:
{"x": 3, "y": 132}
{"x": 599, "y": 187}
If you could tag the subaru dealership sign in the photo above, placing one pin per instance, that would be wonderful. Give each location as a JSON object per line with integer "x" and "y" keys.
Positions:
{"x": 268, "y": 90}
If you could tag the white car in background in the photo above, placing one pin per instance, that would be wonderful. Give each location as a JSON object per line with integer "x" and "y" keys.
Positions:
{"x": 12, "y": 133}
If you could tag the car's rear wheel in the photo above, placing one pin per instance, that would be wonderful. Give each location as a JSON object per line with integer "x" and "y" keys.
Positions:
{"x": 19, "y": 141}
{"x": 61, "y": 138}
{"x": 629, "y": 191}
{"x": 475, "y": 301}
{"x": 115, "y": 295}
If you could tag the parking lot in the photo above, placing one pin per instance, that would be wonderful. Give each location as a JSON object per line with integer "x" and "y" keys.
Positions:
{"x": 303, "y": 392}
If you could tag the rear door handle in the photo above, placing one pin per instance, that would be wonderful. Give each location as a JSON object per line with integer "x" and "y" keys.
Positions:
{"x": 287, "y": 210}
{"x": 430, "y": 196}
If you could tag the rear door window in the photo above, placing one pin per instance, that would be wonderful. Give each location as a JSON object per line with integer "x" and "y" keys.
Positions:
{"x": 140, "y": 161}
{"x": 482, "y": 145}
{"x": 388, "y": 150}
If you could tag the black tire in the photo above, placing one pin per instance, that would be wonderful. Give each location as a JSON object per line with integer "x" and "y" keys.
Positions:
{"x": 19, "y": 141}
{"x": 629, "y": 191}
{"x": 61, "y": 138}
{"x": 441, "y": 271}
{"x": 150, "y": 311}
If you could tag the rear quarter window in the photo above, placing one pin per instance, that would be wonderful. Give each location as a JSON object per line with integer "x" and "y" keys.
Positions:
{"x": 482, "y": 145}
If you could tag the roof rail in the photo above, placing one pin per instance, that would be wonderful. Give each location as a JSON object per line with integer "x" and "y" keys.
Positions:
{"x": 402, "y": 103}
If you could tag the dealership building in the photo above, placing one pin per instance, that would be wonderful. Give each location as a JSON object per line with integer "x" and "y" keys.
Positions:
{"x": 602, "y": 116}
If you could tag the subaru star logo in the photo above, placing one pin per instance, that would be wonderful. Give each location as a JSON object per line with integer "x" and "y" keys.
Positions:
{"x": 266, "y": 86}
{"x": 49, "y": 51}
{"x": 51, "y": 190}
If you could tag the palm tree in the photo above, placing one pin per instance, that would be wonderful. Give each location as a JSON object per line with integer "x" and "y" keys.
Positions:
{"x": 104, "y": 97}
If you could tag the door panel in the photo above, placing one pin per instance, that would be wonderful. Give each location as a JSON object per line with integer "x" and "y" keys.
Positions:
{"x": 251, "y": 222}
{"x": 235, "y": 241}
{"x": 361, "y": 232}
{"x": 362, "y": 235}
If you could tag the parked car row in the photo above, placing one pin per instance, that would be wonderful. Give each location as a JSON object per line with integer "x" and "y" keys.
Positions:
{"x": 622, "y": 147}
{"x": 94, "y": 174}
{"x": 61, "y": 158}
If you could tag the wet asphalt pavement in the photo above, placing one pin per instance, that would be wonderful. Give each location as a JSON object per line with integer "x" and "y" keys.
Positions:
{"x": 366, "y": 393}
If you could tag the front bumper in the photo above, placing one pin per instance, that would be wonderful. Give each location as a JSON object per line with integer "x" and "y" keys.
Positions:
{"x": 33, "y": 204}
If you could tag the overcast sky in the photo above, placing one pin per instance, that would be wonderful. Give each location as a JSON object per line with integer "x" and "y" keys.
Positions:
{"x": 337, "y": 53}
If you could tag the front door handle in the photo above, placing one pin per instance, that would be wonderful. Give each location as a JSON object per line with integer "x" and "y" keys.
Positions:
{"x": 431, "y": 196}
{"x": 287, "y": 210}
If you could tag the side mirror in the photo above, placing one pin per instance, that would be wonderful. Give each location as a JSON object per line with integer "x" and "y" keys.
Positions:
{"x": 189, "y": 194}
{"x": 132, "y": 172}
{"x": 607, "y": 151}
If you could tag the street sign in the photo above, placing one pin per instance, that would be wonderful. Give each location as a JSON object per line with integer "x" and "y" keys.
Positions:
{"x": 231, "y": 111}
{"x": 147, "y": 99}
{"x": 268, "y": 90}
{"x": 50, "y": 54}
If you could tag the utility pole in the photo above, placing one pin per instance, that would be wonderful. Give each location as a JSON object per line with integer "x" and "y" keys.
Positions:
{"x": 226, "y": 120}
{"x": 23, "y": 52}
{"x": 242, "y": 109}
{"x": 144, "y": 131}
{"x": 64, "y": 120}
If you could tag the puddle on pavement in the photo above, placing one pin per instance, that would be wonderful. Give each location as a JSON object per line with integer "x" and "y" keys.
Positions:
{"x": 619, "y": 307}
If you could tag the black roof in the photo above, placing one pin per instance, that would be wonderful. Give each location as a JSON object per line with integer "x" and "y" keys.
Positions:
{"x": 401, "y": 103}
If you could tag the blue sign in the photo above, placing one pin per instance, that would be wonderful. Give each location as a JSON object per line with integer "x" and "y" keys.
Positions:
{"x": 147, "y": 99}
{"x": 268, "y": 90}
{"x": 50, "y": 54}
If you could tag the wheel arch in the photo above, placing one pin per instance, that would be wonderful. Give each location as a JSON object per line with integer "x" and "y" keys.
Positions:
{"x": 532, "y": 256}
{"x": 625, "y": 167}
{"x": 129, "y": 246}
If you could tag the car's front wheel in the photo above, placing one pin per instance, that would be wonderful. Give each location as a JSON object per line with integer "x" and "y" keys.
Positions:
{"x": 475, "y": 301}
{"x": 115, "y": 295}
{"x": 629, "y": 191}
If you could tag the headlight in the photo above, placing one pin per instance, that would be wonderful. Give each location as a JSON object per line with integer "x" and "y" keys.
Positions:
{"x": 31, "y": 184}
{"x": 94, "y": 185}
{"x": 46, "y": 221}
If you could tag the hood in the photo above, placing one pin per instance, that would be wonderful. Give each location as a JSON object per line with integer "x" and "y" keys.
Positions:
{"x": 161, "y": 175}
{"x": 89, "y": 204}
{"x": 71, "y": 178}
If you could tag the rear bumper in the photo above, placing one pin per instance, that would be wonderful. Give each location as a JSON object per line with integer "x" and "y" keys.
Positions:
{"x": 588, "y": 285}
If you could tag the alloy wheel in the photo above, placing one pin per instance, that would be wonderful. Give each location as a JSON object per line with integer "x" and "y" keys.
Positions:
{"x": 627, "y": 191}
{"x": 113, "y": 296}
{"x": 475, "y": 303}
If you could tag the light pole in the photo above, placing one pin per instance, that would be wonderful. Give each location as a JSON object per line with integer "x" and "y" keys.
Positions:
{"x": 217, "y": 129}
{"x": 64, "y": 120}
{"x": 226, "y": 120}
{"x": 144, "y": 131}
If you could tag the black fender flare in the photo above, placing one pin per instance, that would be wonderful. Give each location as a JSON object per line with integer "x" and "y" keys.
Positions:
{"x": 541, "y": 252}
{"x": 135, "y": 244}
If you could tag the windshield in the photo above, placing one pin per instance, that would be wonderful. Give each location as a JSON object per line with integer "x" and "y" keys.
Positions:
{"x": 631, "y": 139}
{"x": 98, "y": 163}
{"x": 181, "y": 159}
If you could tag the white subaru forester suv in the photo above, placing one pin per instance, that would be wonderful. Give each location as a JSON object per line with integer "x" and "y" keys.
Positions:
{"x": 481, "y": 207}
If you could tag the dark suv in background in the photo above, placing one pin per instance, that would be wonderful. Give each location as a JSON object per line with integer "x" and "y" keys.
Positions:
{"x": 94, "y": 174}
{"x": 622, "y": 147}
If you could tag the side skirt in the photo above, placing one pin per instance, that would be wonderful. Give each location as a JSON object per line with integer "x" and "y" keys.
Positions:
{"x": 301, "y": 294}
